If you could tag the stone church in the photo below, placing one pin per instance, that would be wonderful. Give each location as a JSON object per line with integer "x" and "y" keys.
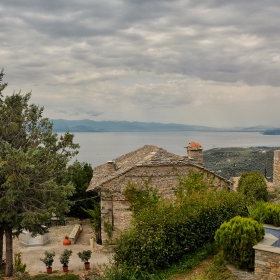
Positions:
{"x": 149, "y": 162}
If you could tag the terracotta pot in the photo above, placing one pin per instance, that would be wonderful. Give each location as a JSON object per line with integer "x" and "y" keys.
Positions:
{"x": 87, "y": 265}
{"x": 49, "y": 270}
{"x": 66, "y": 241}
{"x": 65, "y": 268}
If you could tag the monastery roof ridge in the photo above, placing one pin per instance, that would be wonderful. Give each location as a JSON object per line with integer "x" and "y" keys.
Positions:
{"x": 148, "y": 155}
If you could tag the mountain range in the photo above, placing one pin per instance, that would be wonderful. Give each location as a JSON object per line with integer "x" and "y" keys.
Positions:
{"x": 61, "y": 125}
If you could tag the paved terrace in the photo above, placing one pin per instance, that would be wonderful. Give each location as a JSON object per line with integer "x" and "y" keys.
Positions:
{"x": 31, "y": 255}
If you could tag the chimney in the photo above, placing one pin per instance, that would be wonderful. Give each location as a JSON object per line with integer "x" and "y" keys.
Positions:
{"x": 276, "y": 168}
{"x": 111, "y": 166}
{"x": 194, "y": 152}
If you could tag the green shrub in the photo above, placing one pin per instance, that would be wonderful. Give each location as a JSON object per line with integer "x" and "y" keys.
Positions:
{"x": 272, "y": 214}
{"x": 253, "y": 186}
{"x": 194, "y": 182}
{"x": 18, "y": 275}
{"x": 95, "y": 215}
{"x": 18, "y": 265}
{"x": 161, "y": 235}
{"x": 258, "y": 212}
{"x": 186, "y": 263}
{"x": 236, "y": 239}
{"x": 141, "y": 197}
{"x": 265, "y": 212}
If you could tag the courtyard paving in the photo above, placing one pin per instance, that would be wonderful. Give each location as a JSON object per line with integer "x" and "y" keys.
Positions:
{"x": 31, "y": 255}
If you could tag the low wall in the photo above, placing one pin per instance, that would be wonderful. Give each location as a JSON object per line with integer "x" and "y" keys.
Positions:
{"x": 274, "y": 231}
{"x": 26, "y": 239}
{"x": 267, "y": 258}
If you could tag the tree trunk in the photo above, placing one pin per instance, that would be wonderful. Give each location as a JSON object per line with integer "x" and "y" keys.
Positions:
{"x": 9, "y": 252}
{"x": 1, "y": 246}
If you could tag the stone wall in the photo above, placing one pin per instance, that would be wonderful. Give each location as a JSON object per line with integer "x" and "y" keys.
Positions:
{"x": 114, "y": 207}
{"x": 267, "y": 259}
{"x": 276, "y": 168}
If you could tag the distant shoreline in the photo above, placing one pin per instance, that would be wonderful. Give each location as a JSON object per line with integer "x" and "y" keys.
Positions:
{"x": 91, "y": 126}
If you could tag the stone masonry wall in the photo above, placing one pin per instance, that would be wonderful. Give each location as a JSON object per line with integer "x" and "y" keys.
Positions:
{"x": 114, "y": 207}
{"x": 267, "y": 259}
{"x": 267, "y": 265}
{"x": 276, "y": 168}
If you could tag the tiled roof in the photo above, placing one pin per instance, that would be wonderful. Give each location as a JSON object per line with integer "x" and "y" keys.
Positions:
{"x": 195, "y": 145}
{"x": 145, "y": 156}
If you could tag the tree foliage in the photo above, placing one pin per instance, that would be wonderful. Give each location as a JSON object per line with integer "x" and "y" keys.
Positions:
{"x": 253, "y": 186}
{"x": 32, "y": 159}
{"x": 79, "y": 174}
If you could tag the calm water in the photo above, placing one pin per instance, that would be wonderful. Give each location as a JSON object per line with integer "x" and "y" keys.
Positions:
{"x": 98, "y": 148}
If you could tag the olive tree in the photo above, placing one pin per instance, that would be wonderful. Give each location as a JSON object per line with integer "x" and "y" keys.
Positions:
{"x": 32, "y": 159}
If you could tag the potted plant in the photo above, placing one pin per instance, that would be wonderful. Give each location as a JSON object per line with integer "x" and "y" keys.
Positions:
{"x": 85, "y": 256}
{"x": 64, "y": 259}
{"x": 66, "y": 241}
{"x": 48, "y": 260}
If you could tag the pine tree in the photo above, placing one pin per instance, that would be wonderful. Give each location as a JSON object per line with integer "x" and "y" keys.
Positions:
{"x": 32, "y": 158}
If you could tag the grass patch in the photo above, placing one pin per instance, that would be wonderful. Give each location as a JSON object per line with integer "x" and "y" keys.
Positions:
{"x": 217, "y": 270}
{"x": 26, "y": 276}
{"x": 188, "y": 262}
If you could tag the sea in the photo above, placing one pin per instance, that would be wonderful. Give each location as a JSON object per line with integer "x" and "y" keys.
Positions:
{"x": 98, "y": 148}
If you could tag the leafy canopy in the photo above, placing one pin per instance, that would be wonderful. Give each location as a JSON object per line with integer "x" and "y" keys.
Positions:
{"x": 79, "y": 174}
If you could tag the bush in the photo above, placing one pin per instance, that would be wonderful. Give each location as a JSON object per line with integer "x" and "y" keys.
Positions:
{"x": 264, "y": 212}
{"x": 18, "y": 265}
{"x": 18, "y": 275}
{"x": 272, "y": 214}
{"x": 253, "y": 186}
{"x": 186, "y": 263}
{"x": 141, "y": 197}
{"x": 236, "y": 239}
{"x": 161, "y": 235}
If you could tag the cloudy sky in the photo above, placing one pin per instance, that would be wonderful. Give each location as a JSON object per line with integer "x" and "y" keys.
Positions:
{"x": 212, "y": 62}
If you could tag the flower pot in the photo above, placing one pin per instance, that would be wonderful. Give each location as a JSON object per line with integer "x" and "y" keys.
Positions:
{"x": 65, "y": 268}
{"x": 66, "y": 241}
{"x": 49, "y": 270}
{"x": 87, "y": 265}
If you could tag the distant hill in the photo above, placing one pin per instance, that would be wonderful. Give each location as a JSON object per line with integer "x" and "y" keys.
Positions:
{"x": 232, "y": 162}
{"x": 275, "y": 131}
{"x": 61, "y": 125}
{"x": 258, "y": 128}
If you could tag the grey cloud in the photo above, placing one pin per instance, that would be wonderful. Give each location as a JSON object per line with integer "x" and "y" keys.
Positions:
{"x": 75, "y": 47}
{"x": 93, "y": 113}
{"x": 78, "y": 112}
